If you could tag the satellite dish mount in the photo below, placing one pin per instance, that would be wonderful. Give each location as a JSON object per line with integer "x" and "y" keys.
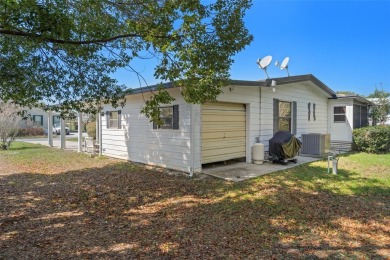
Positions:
{"x": 263, "y": 63}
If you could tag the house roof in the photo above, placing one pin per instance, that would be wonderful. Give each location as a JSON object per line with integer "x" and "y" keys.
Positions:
{"x": 355, "y": 97}
{"x": 300, "y": 78}
{"x": 250, "y": 83}
{"x": 375, "y": 101}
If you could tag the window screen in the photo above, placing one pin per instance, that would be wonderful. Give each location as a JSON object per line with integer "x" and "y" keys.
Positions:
{"x": 38, "y": 120}
{"x": 166, "y": 117}
{"x": 284, "y": 116}
{"x": 114, "y": 119}
{"x": 169, "y": 117}
{"x": 339, "y": 114}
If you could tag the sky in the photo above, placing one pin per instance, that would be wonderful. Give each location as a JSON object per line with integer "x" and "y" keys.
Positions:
{"x": 345, "y": 44}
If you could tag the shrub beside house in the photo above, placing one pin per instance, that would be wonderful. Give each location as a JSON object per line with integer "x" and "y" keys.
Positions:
{"x": 373, "y": 139}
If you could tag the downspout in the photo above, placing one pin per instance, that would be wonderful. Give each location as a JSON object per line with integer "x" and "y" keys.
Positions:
{"x": 97, "y": 127}
{"x": 100, "y": 134}
{"x": 192, "y": 141}
{"x": 260, "y": 114}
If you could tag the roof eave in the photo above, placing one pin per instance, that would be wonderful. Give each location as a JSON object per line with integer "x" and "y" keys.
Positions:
{"x": 251, "y": 83}
{"x": 355, "y": 97}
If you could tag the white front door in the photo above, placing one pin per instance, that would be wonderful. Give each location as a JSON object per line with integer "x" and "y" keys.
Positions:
{"x": 341, "y": 129}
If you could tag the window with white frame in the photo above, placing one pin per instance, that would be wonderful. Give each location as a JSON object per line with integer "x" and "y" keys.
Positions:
{"x": 56, "y": 120}
{"x": 284, "y": 118}
{"x": 166, "y": 117}
{"x": 169, "y": 117}
{"x": 38, "y": 120}
{"x": 339, "y": 114}
{"x": 113, "y": 119}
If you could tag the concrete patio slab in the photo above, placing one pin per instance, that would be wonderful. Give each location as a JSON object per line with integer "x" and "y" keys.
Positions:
{"x": 240, "y": 171}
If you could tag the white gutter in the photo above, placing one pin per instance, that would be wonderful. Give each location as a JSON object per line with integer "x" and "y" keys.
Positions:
{"x": 100, "y": 134}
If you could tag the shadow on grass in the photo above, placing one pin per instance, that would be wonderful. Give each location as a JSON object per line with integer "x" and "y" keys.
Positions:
{"x": 344, "y": 182}
{"x": 125, "y": 211}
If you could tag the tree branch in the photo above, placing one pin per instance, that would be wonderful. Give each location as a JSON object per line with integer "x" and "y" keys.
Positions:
{"x": 52, "y": 40}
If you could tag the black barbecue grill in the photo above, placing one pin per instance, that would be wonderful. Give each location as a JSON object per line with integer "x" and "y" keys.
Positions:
{"x": 284, "y": 147}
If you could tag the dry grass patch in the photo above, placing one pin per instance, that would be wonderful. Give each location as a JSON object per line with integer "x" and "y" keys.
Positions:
{"x": 103, "y": 208}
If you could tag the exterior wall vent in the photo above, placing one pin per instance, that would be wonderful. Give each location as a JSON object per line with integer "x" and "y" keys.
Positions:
{"x": 315, "y": 144}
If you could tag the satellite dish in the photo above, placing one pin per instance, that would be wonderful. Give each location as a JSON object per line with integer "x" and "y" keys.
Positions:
{"x": 284, "y": 65}
{"x": 264, "y": 62}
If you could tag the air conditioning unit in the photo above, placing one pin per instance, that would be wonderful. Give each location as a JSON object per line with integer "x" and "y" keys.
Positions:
{"x": 315, "y": 144}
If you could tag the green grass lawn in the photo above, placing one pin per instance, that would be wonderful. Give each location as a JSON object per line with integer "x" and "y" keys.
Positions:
{"x": 71, "y": 139}
{"x": 34, "y": 137}
{"x": 60, "y": 204}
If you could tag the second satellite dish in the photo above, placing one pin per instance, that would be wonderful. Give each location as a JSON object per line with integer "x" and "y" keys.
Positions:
{"x": 264, "y": 62}
{"x": 284, "y": 65}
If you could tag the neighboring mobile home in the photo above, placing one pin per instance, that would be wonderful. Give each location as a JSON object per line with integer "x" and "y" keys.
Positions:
{"x": 376, "y": 103}
{"x": 39, "y": 118}
{"x": 193, "y": 135}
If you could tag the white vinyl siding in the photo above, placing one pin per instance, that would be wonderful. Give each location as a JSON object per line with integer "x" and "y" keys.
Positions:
{"x": 137, "y": 140}
{"x": 301, "y": 93}
{"x": 37, "y": 111}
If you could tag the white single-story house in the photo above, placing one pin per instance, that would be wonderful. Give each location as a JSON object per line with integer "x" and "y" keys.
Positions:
{"x": 39, "y": 118}
{"x": 245, "y": 113}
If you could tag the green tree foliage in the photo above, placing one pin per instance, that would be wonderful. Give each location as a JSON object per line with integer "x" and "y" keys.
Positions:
{"x": 381, "y": 108}
{"x": 379, "y": 93}
{"x": 64, "y": 52}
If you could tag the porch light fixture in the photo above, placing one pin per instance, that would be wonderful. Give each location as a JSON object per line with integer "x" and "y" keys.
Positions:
{"x": 273, "y": 85}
